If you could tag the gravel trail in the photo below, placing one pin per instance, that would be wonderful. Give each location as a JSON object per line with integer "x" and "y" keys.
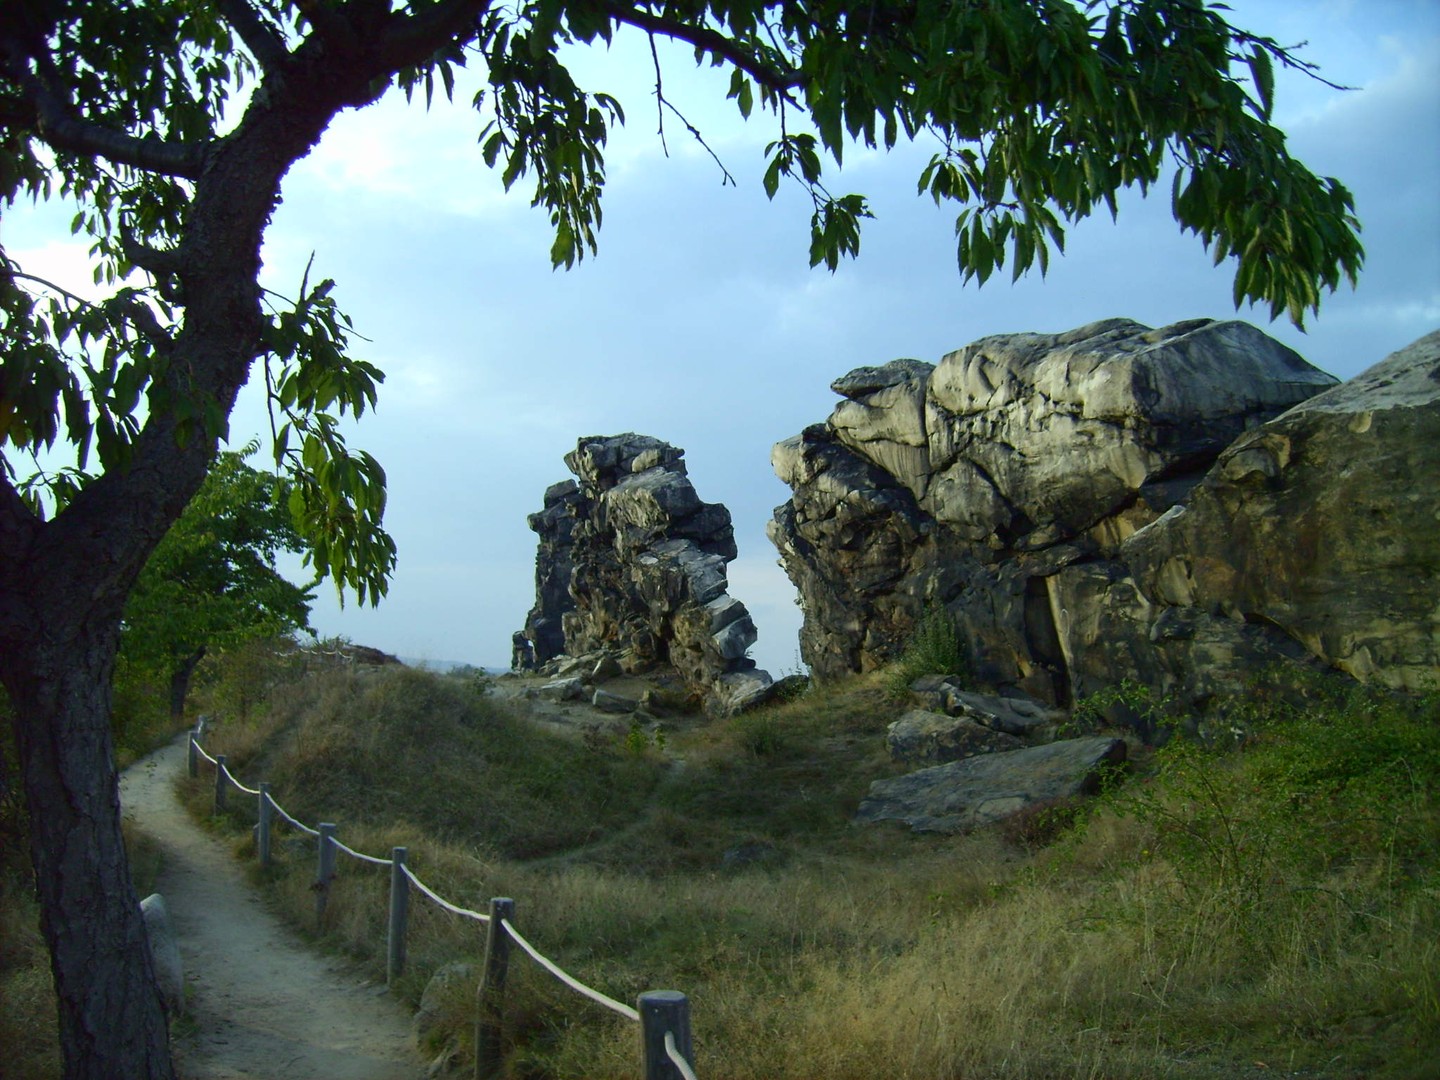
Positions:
{"x": 261, "y": 1004}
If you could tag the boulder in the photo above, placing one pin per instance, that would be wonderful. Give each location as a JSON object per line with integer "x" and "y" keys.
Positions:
{"x": 164, "y": 954}
{"x": 929, "y": 738}
{"x": 1183, "y": 507}
{"x": 739, "y": 691}
{"x": 451, "y": 988}
{"x": 1322, "y": 524}
{"x": 631, "y": 567}
{"x": 568, "y": 688}
{"x": 966, "y": 794}
{"x": 607, "y": 702}
{"x": 1020, "y": 716}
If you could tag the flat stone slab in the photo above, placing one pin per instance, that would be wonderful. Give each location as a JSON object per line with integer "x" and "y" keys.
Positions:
{"x": 976, "y": 791}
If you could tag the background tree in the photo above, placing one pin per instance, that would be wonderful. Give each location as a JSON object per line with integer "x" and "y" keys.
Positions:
{"x": 212, "y": 582}
{"x": 172, "y": 123}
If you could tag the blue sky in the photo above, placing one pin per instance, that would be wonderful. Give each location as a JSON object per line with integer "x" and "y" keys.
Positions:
{"x": 700, "y": 322}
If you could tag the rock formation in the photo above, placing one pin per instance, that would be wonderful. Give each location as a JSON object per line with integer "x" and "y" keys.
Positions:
{"x": 631, "y": 562}
{"x": 1116, "y": 502}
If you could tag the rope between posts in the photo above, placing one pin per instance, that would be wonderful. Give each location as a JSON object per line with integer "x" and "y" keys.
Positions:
{"x": 231, "y": 777}
{"x": 292, "y": 821}
{"x": 672, "y": 1052}
{"x": 568, "y": 980}
{"x": 360, "y": 854}
{"x": 433, "y": 895}
{"x": 678, "y": 1059}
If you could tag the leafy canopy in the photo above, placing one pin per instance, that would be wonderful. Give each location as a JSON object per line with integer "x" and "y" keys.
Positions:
{"x": 1039, "y": 111}
{"x": 212, "y": 582}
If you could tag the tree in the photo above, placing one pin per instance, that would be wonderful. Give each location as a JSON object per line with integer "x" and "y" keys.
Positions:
{"x": 172, "y": 124}
{"x": 212, "y": 582}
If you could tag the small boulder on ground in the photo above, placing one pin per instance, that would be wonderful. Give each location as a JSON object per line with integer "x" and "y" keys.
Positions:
{"x": 964, "y": 795}
{"x": 921, "y": 737}
{"x": 164, "y": 953}
{"x": 452, "y": 982}
{"x": 1012, "y": 714}
{"x": 609, "y": 702}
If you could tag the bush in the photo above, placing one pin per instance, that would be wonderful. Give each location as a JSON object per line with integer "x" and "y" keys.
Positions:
{"x": 934, "y": 649}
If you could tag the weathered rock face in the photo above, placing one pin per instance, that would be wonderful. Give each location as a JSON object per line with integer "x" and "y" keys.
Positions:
{"x": 1071, "y": 500}
{"x": 555, "y": 525}
{"x": 632, "y": 562}
{"x": 1323, "y": 524}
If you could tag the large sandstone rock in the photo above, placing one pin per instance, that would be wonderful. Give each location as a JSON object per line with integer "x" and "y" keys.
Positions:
{"x": 1323, "y": 524}
{"x": 1176, "y": 506}
{"x": 976, "y": 791}
{"x": 631, "y": 564}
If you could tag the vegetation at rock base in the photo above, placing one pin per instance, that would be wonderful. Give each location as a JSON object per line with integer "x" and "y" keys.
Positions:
{"x": 933, "y": 649}
{"x": 1268, "y": 905}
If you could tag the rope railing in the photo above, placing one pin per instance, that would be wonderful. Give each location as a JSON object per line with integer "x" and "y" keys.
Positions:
{"x": 293, "y": 822}
{"x": 663, "y": 1015}
{"x": 373, "y": 860}
{"x": 438, "y": 899}
{"x": 676, "y": 1058}
{"x": 239, "y": 786}
{"x": 568, "y": 979}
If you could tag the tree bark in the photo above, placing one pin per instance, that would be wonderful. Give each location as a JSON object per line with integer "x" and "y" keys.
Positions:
{"x": 63, "y": 582}
{"x": 180, "y": 684}
{"x": 112, "y": 1021}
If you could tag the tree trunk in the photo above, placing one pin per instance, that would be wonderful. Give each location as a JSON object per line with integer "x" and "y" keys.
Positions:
{"x": 180, "y": 684}
{"x": 112, "y": 1022}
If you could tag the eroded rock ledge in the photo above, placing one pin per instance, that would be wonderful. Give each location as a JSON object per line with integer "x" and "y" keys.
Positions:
{"x": 1121, "y": 502}
{"x": 632, "y": 563}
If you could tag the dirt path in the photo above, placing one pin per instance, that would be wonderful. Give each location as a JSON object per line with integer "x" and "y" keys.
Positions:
{"x": 263, "y": 1006}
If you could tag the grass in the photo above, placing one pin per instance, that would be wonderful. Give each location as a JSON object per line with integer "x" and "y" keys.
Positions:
{"x": 1246, "y": 906}
{"x": 1228, "y": 912}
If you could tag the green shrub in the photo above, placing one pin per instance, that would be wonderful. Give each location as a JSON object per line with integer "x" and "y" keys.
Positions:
{"x": 935, "y": 648}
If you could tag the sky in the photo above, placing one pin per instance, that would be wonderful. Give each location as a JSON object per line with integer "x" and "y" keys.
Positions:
{"x": 700, "y": 322}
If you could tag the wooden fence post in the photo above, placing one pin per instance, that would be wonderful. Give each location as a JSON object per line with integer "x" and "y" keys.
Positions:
{"x": 324, "y": 871}
{"x": 662, "y": 1012}
{"x": 490, "y": 1005}
{"x": 192, "y": 755}
{"x": 262, "y": 833}
{"x": 222, "y": 786}
{"x": 399, "y": 912}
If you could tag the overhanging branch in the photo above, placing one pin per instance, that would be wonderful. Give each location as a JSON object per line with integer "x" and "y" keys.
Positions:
{"x": 409, "y": 40}
{"x": 58, "y": 124}
{"x": 782, "y": 80}
{"x": 259, "y": 36}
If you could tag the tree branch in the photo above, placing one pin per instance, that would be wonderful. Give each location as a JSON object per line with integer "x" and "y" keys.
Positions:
{"x": 411, "y": 39}
{"x": 781, "y": 80}
{"x": 259, "y": 36}
{"x": 159, "y": 262}
{"x": 58, "y": 124}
